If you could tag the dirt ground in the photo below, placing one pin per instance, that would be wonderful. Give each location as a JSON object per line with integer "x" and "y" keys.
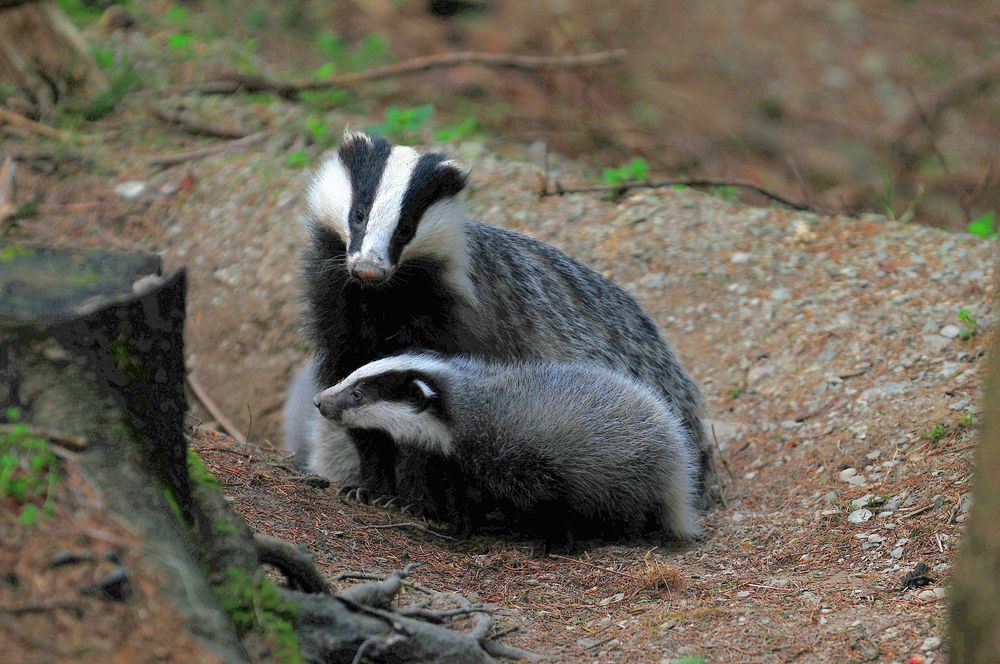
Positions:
{"x": 840, "y": 380}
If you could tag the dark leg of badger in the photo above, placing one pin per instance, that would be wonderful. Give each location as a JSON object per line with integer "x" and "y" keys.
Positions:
{"x": 377, "y": 454}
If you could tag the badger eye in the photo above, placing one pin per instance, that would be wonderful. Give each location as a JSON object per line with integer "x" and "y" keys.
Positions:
{"x": 358, "y": 216}
{"x": 356, "y": 395}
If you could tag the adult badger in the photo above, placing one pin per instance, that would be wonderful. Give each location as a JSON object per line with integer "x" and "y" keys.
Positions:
{"x": 395, "y": 264}
{"x": 565, "y": 451}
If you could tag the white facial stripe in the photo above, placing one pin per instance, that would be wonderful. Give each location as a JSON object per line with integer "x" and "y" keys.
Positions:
{"x": 412, "y": 362}
{"x": 384, "y": 215}
{"x": 330, "y": 195}
{"x": 403, "y": 423}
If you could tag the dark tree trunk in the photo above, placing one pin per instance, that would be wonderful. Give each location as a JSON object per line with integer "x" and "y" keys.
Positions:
{"x": 975, "y": 591}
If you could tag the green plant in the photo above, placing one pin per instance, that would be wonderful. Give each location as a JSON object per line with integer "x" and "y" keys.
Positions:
{"x": 178, "y": 16}
{"x": 106, "y": 102}
{"x": 256, "y": 605}
{"x": 104, "y": 58}
{"x": 403, "y": 123}
{"x": 727, "y": 193}
{"x": 734, "y": 393}
{"x": 28, "y": 469}
{"x": 637, "y": 169}
{"x": 967, "y": 419}
{"x": 296, "y": 159}
{"x": 319, "y": 131}
{"x": 968, "y": 329}
{"x": 463, "y": 130}
{"x": 984, "y": 226}
{"x": 935, "y": 434}
{"x": 182, "y": 43}
{"x": 79, "y": 11}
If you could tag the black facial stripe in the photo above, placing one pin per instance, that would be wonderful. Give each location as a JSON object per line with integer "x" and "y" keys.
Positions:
{"x": 429, "y": 183}
{"x": 365, "y": 162}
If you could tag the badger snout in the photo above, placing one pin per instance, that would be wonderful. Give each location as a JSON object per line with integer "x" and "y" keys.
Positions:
{"x": 331, "y": 406}
{"x": 369, "y": 273}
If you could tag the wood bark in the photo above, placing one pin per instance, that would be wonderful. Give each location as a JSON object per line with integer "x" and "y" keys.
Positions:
{"x": 975, "y": 591}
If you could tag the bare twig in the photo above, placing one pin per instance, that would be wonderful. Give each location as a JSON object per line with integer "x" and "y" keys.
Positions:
{"x": 64, "y": 439}
{"x": 196, "y": 126}
{"x": 936, "y": 151}
{"x": 410, "y": 524}
{"x": 687, "y": 182}
{"x": 198, "y": 153}
{"x": 213, "y": 409}
{"x": 929, "y": 111}
{"x": 10, "y": 117}
{"x": 937, "y": 536}
{"x": 926, "y": 508}
{"x": 7, "y": 189}
{"x": 234, "y": 83}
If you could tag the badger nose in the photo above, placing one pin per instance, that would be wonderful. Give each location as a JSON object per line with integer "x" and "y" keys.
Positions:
{"x": 369, "y": 272}
{"x": 316, "y": 401}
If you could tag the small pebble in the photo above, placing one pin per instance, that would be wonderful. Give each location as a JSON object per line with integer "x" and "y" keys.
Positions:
{"x": 742, "y": 594}
{"x": 860, "y": 516}
{"x": 927, "y": 595}
{"x": 897, "y": 553}
{"x": 740, "y": 257}
{"x": 847, "y": 473}
{"x": 950, "y": 331}
{"x": 131, "y": 190}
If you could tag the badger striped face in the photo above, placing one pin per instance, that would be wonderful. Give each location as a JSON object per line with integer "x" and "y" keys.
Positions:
{"x": 398, "y": 395}
{"x": 388, "y": 203}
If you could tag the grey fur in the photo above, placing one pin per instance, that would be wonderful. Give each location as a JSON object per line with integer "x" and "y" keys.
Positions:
{"x": 318, "y": 445}
{"x": 606, "y": 447}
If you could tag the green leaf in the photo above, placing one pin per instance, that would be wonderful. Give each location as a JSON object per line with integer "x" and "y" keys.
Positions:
{"x": 984, "y": 226}
{"x": 325, "y": 71}
{"x": 638, "y": 169}
{"x": 297, "y": 159}
{"x": 331, "y": 45}
{"x": 29, "y": 515}
{"x": 13, "y": 414}
{"x": 611, "y": 176}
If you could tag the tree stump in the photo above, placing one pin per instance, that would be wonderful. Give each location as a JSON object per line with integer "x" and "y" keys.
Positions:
{"x": 91, "y": 347}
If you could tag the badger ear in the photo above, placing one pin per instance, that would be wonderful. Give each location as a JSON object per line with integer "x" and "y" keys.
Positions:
{"x": 452, "y": 176}
{"x": 350, "y": 136}
{"x": 426, "y": 395}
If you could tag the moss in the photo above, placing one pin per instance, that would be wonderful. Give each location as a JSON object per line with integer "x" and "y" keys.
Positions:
{"x": 225, "y": 528}
{"x": 175, "y": 507}
{"x": 256, "y": 605}
{"x": 199, "y": 473}
{"x": 13, "y": 251}
{"x": 29, "y": 470}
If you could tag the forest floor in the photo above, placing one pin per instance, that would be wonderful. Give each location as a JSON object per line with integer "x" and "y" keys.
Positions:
{"x": 827, "y": 348}
{"x": 841, "y": 361}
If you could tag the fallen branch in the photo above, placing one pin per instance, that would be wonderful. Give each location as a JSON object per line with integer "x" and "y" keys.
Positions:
{"x": 196, "y": 126}
{"x": 7, "y": 207}
{"x": 8, "y": 116}
{"x": 198, "y": 153}
{"x": 236, "y": 83}
{"x": 687, "y": 182}
{"x": 293, "y": 562}
{"x": 214, "y": 410}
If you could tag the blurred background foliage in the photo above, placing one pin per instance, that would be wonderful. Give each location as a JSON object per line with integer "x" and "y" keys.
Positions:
{"x": 883, "y": 106}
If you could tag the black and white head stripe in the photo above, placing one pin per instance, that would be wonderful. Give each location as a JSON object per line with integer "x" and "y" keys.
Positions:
{"x": 391, "y": 395}
{"x": 388, "y": 202}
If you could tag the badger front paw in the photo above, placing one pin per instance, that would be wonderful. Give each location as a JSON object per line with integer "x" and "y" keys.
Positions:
{"x": 353, "y": 493}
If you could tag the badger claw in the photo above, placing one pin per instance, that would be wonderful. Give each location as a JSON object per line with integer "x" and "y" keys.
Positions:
{"x": 380, "y": 501}
{"x": 391, "y": 502}
{"x": 344, "y": 491}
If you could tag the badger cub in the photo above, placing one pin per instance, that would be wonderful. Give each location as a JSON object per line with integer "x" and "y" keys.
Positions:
{"x": 564, "y": 451}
